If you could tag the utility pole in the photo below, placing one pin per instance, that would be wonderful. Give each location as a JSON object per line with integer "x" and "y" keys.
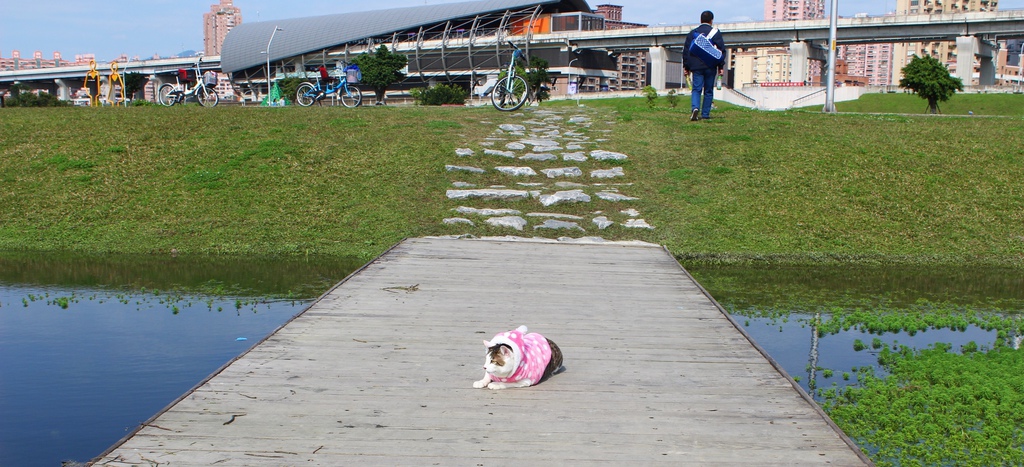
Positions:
{"x": 830, "y": 89}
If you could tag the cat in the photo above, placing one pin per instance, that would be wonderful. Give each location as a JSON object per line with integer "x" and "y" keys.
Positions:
{"x": 516, "y": 359}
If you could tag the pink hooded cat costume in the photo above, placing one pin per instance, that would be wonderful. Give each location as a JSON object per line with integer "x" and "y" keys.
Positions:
{"x": 532, "y": 350}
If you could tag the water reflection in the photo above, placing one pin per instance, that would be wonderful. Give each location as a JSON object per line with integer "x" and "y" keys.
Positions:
{"x": 86, "y": 355}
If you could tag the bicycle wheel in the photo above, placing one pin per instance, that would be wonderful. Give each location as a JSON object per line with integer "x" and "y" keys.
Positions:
{"x": 350, "y": 96}
{"x": 207, "y": 97}
{"x": 305, "y": 95}
{"x": 508, "y": 97}
{"x": 165, "y": 95}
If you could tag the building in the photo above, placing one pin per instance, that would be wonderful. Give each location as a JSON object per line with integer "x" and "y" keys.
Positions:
{"x": 873, "y": 62}
{"x": 632, "y": 65}
{"x": 217, "y": 23}
{"x": 945, "y": 52}
{"x": 16, "y": 62}
{"x": 793, "y": 10}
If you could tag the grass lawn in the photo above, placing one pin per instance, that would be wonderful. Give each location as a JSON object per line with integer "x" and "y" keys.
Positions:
{"x": 796, "y": 187}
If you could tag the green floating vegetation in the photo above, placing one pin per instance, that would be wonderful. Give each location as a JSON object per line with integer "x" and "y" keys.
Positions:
{"x": 936, "y": 407}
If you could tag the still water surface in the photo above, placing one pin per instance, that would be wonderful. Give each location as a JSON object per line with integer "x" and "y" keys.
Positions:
{"x": 137, "y": 333}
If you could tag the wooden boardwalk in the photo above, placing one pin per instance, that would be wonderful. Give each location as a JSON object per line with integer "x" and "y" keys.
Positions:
{"x": 379, "y": 371}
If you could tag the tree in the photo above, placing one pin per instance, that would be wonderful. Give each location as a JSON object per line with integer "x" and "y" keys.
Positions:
{"x": 22, "y": 96}
{"x": 381, "y": 69}
{"x": 930, "y": 80}
{"x": 133, "y": 83}
{"x": 537, "y": 78}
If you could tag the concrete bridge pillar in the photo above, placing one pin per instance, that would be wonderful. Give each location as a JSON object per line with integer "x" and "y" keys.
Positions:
{"x": 658, "y": 58}
{"x": 63, "y": 90}
{"x": 799, "y": 53}
{"x": 969, "y": 47}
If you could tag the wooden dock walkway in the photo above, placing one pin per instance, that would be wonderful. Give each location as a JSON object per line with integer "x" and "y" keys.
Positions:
{"x": 379, "y": 371}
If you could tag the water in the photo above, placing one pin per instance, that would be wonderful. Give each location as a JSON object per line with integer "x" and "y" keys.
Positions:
{"x": 75, "y": 380}
{"x": 139, "y": 332}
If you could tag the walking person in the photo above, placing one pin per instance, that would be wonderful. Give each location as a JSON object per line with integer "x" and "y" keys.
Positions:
{"x": 702, "y": 65}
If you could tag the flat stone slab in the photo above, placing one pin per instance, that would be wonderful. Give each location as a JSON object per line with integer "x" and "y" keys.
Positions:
{"x": 539, "y": 157}
{"x": 457, "y": 220}
{"x": 495, "y": 152}
{"x": 574, "y": 156}
{"x": 637, "y": 224}
{"x": 560, "y": 197}
{"x": 514, "y": 222}
{"x": 463, "y": 168}
{"x": 484, "y": 193}
{"x": 608, "y": 173}
{"x": 487, "y": 212}
{"x": 516, "y": 171}
{"x": 563, "y": 172}
{"x": 602, "y": 155}
{"x": 511, "y": 127}
{"x": 611, "y": 196}
{"x": 555, "y": 224}
{"x": 464, "y": 152}
{"x": 602, "y": 222}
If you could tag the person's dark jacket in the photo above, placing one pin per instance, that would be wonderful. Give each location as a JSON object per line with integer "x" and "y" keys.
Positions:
{"x": 695, "y": 64}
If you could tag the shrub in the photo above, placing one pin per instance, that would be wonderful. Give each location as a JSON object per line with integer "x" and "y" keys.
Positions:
{"x": 440, "y": 95}
{"x": 672, "y": 98}
{"x": 651, "y": 94}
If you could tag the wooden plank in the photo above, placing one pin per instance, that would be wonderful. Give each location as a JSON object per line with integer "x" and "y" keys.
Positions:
{"x": 380, "y": 371}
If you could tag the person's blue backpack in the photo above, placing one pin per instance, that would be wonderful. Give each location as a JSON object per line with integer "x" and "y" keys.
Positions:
{"x": 702, "y": 48}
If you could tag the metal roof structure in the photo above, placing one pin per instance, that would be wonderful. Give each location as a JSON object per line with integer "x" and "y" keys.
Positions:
{"x": 246, "y": 45}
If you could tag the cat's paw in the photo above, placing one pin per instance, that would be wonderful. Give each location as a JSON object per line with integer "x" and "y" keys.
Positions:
{"x": 480, "y": 384}
{"x": 496, "y": 386}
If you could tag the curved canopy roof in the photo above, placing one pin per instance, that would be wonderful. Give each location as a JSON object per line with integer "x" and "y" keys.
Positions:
{"x": 244, "y": 45}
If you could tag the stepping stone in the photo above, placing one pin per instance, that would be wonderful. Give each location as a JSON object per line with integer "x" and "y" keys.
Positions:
{"x": 487, "y": 143}
{"x": 578, "y": 119}
{"x": 516, "y": 171}
{"x": 602, "y": 155}
{"x": 514, "y": 222}
{"x": 571, "y": 196}
{"x": 462, "y": 185}
{"x": 538, "y": 157}
{"x": 487, "y": 212}
{"x": 556, "y": 224}
{"x": 488, "y": 194}
{"x": 554, "y": 215}
{"x": 530, "y": 185}
{"x": 574, "y": 156}
{"x": 569, "y": 185}
{"x": 563, "y": 172}
{"x": 539, "y": 142}
{"x": 463, "y": 152}
{"x": 573, "y": 147}
{"x": 458, "y": 220}
{"x": 511, "y": 127}
{"x": 602, "y": 222}
{"x": 637, "y": 224}
{"x": 547, "y": 148}
{"x": 462, "y": 168}
{"x": 610, "y": 173}
{"x": 495, "y": 152}
{"x": 515, "y": 146}
{"x": 630, "y": 212}
{"x": 609, "y": 196}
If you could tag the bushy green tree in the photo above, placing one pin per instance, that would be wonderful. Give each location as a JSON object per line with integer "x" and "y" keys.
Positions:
{"x": 381, "y": 69}
{"x": 930, "y": 80}
{"x": 22, "y": 96}
{"x": 537, "y": 77}
{"x": 440, "y": 95}
{"x": 133, "y": 83}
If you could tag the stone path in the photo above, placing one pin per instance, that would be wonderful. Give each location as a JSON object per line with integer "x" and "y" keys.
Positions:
{"x": 550, "y": 160}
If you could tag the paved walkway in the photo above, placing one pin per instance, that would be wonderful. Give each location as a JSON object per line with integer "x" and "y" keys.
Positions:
{"x": 379, "y": 371}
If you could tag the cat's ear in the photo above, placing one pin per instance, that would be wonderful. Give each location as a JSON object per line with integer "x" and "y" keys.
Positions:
{"x": 487, "y": 344}
{"x": 506, "y": 351}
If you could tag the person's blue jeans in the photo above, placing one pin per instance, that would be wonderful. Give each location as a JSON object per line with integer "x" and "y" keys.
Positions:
{"x": 703, "y": 84}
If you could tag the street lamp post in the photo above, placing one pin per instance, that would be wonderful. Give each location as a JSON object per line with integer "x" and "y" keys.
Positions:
{"x": 830, "y": 90}
{"x": 570, "y": 84}
{"x": 271, "y": 41}
{"x": 1020, "y": 69}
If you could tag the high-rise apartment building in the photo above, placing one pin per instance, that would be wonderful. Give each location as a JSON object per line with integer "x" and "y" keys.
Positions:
{"x": 217, "y": 23}
{"x": 793, "y": 10}
{"x": 632, "y": 65}
{"x": 944, "y": 51}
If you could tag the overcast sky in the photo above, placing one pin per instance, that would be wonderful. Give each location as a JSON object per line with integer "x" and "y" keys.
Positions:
{"x": 166, "y": 27}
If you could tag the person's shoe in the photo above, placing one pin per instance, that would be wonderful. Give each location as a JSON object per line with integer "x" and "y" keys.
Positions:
{"x": 695, "y": 115}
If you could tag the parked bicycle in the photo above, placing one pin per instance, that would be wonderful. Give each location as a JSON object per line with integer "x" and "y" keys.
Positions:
{"x": 203, "y": 90}
{"x": 511, "y": 91}
{"x": 347, "y": 92}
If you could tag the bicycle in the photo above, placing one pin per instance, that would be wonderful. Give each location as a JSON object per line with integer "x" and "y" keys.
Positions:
{"x": 350, "y": 95}
{"x": 204, "y": 90}
{"x": 511, "y": 91}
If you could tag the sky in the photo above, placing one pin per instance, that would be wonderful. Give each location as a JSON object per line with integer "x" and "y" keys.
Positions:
{"x": 144, "y": 28}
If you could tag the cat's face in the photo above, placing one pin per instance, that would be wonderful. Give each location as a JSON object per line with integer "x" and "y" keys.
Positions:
{"x": 500, "y": 360}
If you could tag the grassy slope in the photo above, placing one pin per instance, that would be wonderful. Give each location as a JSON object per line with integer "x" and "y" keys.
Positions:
{"x": 792, "y": 186}
{"x": 960, "y": 104}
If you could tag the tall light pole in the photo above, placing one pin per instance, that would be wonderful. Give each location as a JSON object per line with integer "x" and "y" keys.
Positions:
{"x": 830, "y": 89}
{"x": 271, "y": 41}
{"x": 573, "y": 86}
{"x": 1020, "y": 69}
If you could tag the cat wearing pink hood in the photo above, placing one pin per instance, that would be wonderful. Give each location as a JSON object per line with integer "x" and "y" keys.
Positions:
{"x": 516, "y": 359}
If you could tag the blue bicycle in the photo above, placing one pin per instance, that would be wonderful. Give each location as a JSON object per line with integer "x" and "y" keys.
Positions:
{"x": 349, "y": 94}
{"x": 511, "y": 91}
